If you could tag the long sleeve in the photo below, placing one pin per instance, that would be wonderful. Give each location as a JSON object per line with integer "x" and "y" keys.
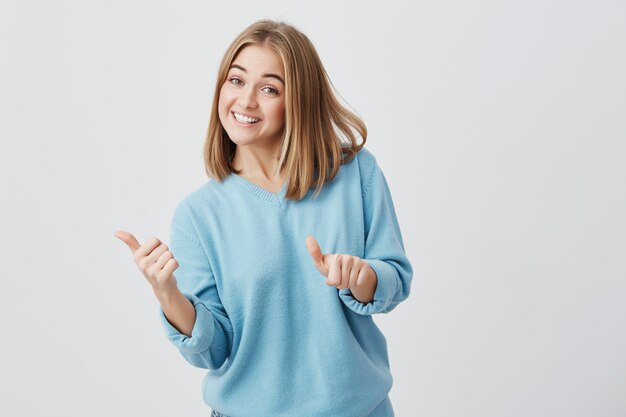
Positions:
{"x": 384, "y": 248}
{"x": 262, "y": 307}
{"x": 211, "y": 337}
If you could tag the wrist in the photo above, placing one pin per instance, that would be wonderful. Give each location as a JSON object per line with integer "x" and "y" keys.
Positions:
{"x": 165, "y": 296}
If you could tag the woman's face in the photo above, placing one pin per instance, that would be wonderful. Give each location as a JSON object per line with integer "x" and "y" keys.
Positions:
{"x": 254, "y": 88}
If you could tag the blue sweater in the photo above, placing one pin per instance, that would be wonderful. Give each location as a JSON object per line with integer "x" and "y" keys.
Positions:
{"x": 275, "y": 338}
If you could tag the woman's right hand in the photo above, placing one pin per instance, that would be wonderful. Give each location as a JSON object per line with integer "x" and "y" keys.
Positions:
{"x": 155, "y": 261}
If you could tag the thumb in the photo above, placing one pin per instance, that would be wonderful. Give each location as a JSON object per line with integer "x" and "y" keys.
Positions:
{"x": 316, "y": 254}
{"x": 129, "y": 239}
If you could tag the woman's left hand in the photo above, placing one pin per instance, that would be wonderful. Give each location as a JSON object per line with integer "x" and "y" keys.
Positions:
{"x": 341, "y": 270}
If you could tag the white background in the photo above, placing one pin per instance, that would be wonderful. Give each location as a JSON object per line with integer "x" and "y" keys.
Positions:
{"x": 499, "y": 125}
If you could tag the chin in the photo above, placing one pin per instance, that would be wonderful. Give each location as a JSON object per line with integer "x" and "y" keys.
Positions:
{"x": 239, "y": 141}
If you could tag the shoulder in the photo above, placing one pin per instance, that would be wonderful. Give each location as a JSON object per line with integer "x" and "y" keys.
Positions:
{"x": 361, "y": 168}
{"x": 366, "y": 158}
{"x": 367, "y": 164}
{"x": 195, "y": 202}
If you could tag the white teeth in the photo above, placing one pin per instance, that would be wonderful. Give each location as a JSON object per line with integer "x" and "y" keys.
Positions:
{"x": 244, "y": 119}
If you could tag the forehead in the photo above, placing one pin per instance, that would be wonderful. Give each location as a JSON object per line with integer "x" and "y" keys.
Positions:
{"x": 259, "y": 59}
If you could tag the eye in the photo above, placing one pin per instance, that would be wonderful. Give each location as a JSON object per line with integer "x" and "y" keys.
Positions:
{"x": 272, "y": 90}
{"x": 269, "y": 89}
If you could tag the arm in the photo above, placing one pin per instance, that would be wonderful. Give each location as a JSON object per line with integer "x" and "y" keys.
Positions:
{"x": 178, "y": 310}
{"x": 384, "y": 249}
{"x": 194, "y": 319}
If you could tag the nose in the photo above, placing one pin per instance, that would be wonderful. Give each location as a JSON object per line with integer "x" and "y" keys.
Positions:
{"x": 247, "y": 98}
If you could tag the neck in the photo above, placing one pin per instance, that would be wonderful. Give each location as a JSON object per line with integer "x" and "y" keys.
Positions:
{"x": 257, "y": 162}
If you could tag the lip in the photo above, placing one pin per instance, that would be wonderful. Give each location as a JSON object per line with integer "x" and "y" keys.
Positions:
{"x": 244, "y": 125}
{"x": 244, "y": 114}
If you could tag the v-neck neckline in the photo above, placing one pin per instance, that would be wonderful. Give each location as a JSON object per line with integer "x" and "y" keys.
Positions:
{"x": 276, "y": 198}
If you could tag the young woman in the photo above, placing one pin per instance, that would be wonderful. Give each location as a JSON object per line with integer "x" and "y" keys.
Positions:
{"x": 286, "y": 252}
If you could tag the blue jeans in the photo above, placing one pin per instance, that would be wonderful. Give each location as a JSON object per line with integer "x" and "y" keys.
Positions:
{"x": 217, "y": 414}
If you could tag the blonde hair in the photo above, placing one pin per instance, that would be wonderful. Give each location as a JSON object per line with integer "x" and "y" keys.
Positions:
{"x": 312, "y": 149}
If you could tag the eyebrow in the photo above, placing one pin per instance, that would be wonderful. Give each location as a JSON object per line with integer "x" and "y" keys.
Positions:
{"x": 264, "y": 75}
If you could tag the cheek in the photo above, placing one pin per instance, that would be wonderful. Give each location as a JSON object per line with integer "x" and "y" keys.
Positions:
{"x": 225, "y": 96}
{"x": 221, "y": 99}
{"x": 279, "y": 113}
{"x": 222, "y": 105}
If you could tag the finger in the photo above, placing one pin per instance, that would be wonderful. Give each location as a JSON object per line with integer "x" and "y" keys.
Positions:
{"x": 346, "y": 270}
{"x": 362, "y": 275}
{"x": 129, "y": 239}
{"x": 164, "y": 278}
{"x": 149, "y": 245}
{"x": 170, "y": 267}
{"x": 354, "y": 276}
{"x": 334, "y": 271}
{"x": 163, "y": 258}
{"x": 156, "y": 254}
{"x": 316, "y": 254}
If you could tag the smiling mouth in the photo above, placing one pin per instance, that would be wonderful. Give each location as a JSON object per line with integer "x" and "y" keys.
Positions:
{"x": 244, "y": 120}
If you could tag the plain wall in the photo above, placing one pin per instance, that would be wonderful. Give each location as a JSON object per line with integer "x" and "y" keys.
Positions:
{"x": 499, "y": 125}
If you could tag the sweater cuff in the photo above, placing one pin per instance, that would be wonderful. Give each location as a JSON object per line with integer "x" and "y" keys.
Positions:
{"x": 201, "y": 334}
{"x": 386, "y": 288}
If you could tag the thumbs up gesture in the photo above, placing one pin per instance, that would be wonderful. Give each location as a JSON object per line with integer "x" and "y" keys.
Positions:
{"x": 155, "y": 261}
{"x": 344, "y": 271}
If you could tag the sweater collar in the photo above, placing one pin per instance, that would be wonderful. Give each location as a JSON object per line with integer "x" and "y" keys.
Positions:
{"x": 262, "y": 193}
